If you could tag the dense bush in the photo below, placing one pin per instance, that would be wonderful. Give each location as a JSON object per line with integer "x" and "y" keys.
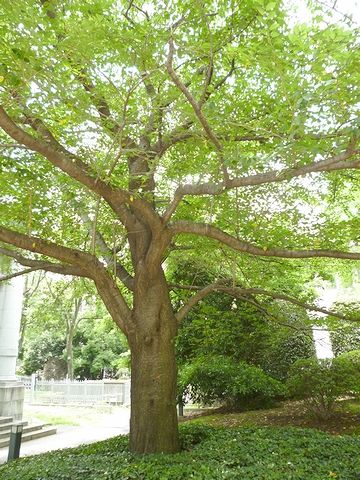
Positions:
{"x": 210, "y": 454}
{"x": 284, "y": 350}
{"x": 45, "y": 346}
{"x": 351, "y": 358}
{"x": 217, "y": 379}
{"x": 345, "y": 339}
{"x": 321, "y": 382}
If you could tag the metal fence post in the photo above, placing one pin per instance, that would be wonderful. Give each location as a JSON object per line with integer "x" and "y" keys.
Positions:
{"x": 33, "y": 387}
{"x": 15, "y": 441}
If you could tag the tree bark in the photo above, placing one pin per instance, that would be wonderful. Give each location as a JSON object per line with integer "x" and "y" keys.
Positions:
{"x": 153, "y": 423}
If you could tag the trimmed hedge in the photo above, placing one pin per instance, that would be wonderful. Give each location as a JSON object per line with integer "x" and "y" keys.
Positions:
{"x": 208, "y": 454}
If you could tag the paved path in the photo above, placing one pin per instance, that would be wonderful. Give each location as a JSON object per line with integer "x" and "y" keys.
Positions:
{"x": 71, "y": 436}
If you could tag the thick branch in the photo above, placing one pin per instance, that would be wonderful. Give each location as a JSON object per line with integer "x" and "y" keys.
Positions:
{"x": 194, "y": 300}
{"x": 79, "y": 171}
{"x": 71, "y": 256}
{"x": 240, "y": 292}
{"x": 34, "y": 265}
{"x": 335, "y": 162}
{"x": 74, "y": 167}
{"x": 206, "y": 230}
{"x": 89, "y": 264}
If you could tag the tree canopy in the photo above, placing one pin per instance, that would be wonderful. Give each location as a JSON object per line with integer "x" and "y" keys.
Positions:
{"x": 133, "y": 132}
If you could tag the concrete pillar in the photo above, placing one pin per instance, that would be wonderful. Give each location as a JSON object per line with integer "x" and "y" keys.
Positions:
{"x": 11, "y": 391}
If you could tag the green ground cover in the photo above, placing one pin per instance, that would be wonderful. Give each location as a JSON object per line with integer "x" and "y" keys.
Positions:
{"x": 252, "y": 453}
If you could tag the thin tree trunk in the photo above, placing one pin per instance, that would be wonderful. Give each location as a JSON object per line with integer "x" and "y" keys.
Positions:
{"x": 70, "y": 354}
{"x": 72, "y": 323}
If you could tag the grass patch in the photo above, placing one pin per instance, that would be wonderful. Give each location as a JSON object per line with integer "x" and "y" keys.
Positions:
{"x": 66, "y": 415}
{"x": 208, "y": 454}
{"x": 56, "y": 419}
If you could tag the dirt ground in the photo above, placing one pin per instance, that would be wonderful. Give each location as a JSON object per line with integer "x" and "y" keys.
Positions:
{"x": 345, "y": 420}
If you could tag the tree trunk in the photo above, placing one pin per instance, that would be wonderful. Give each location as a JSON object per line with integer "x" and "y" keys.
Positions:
{"x": 153, "y": 423}
{"x": 70, "y": 354}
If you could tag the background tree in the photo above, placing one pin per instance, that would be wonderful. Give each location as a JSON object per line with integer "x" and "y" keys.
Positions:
{"x": 71, "y": 304}
{"x": 67, "y": 322}
{"x": 131, "y": 128}
{"x": 40, "y": 349}
{"x": 99, "y": 349}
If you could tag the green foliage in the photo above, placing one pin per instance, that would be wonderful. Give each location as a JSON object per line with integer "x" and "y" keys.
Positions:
{"x": 351, "y": 358}
{"x": 238, "y": 332}
{"x": 89, "y": 80}
{"x": 216, "y": 379}
{"x": 209, "y": 454}
{"x": 294, "y": 90}
{"x": 238, "y": 329}
{"x": 345, "y": 339}
{"x": 51, "y": 316}
{"x": 215, "y": 327}
{"x": 284, "y": 349}
{"x": 40, "y": 349}
{"x": 98, "y": 346}
{"x": 321, "y": 382}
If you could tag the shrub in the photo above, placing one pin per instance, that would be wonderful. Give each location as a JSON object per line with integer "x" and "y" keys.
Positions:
{"x": 209, "y": 380}
{"x": 284, "y": 351}
{"x": 345, "y": 339}
{"x": 321, "y": 382}
{"x": 350, "y": 361}
{"x": 40, "y": 350}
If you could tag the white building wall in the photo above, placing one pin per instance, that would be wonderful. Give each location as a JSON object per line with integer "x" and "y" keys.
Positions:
{"x": 11, "y": 297}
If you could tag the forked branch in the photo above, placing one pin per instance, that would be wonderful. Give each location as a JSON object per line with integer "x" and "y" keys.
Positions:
{"x": 196, "y": 107}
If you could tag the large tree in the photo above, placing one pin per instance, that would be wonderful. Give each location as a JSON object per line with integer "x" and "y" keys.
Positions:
{"x": 132, "y": 130}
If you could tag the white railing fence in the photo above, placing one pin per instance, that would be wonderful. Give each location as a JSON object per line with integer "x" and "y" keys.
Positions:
{"x": 76, "y": 391}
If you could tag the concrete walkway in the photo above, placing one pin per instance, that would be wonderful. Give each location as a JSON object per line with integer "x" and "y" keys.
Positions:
{"x": 111, "y": 425}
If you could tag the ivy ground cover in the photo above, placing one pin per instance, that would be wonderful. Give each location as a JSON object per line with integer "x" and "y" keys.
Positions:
{"x": 208, "y": 453}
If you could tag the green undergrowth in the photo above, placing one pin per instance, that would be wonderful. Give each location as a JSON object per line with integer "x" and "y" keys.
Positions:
{"x": 208, "y": 454}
